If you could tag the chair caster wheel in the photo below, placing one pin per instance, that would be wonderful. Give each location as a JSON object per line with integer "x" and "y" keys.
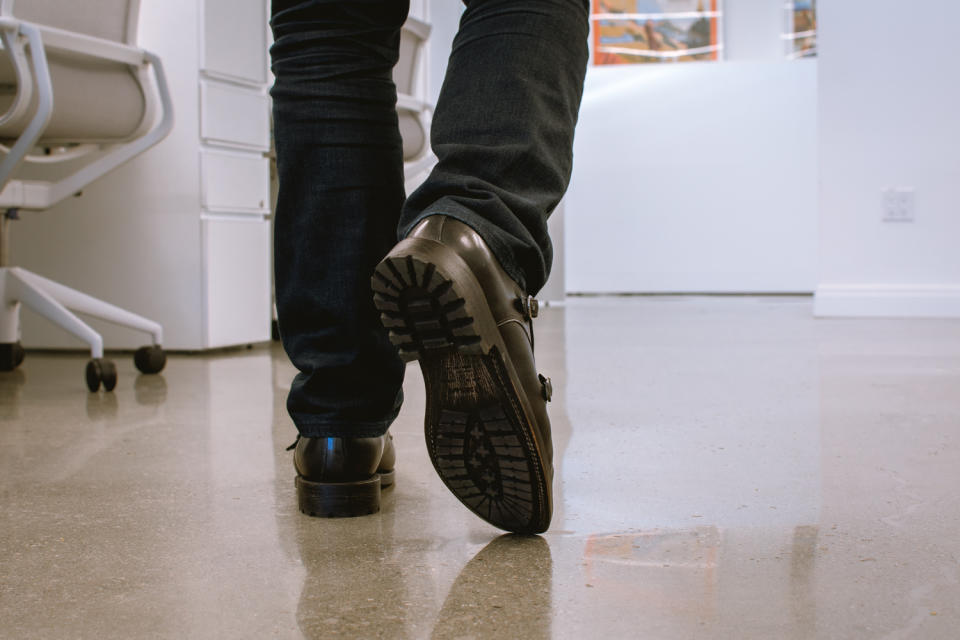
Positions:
{"x": 11, "y": 355}
{"x": 100, "y": 370}
{"x": 150, "y": 359}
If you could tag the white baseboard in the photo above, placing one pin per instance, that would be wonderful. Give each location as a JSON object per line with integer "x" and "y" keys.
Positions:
{"x": 890, "y": 301}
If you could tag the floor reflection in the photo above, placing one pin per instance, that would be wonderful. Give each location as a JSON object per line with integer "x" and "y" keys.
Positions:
{"x": 11, "y": 387}
{"x": 673, "y": 571}
{"x": 365, "y": 580}
{"x": 803, "y": 602}
{"x": 102, "y": 406}
{"x": 354, "y": 585}
{"x": 504, "y": 589}
{"x": 150, "y": 390}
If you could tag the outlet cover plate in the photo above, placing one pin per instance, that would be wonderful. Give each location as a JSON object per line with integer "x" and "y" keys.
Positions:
{"x": 899, "y": 204}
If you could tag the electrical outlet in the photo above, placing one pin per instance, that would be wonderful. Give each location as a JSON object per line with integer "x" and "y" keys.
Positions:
{"x": 898, "y": 204}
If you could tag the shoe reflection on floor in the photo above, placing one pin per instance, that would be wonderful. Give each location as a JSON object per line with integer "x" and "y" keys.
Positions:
{"x": 361, "y": 589}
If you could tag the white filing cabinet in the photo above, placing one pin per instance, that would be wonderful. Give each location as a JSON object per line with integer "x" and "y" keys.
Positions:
{"x": 181, "y": 234}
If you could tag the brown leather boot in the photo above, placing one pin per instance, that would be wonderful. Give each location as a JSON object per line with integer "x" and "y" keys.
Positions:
{"x": 448, "y": 303}
{"x": 340, "y": 477}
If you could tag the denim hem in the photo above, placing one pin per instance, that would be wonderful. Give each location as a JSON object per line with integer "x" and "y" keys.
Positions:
{"x": 323, "y": 429}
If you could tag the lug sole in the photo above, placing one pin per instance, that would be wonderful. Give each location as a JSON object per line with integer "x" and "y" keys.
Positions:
{"x": 478, "y": 436}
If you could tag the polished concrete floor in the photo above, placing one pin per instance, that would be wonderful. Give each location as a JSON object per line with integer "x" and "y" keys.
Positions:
{"x": 726, "y": 468}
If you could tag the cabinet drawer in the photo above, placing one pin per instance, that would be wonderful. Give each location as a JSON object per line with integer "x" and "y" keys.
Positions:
{"x": 234, "y": 181}
{"x": 236, "y": 285}
{"x": 235, "y": 39}
{"x": 234, "y": 116}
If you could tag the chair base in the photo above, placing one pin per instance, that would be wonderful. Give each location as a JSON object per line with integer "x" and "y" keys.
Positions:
{"x": 54, "y": 302}
{"x": 11, "y": 355}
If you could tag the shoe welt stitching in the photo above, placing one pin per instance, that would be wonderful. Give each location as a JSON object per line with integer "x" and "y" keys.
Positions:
{"x": 523, "y": 326}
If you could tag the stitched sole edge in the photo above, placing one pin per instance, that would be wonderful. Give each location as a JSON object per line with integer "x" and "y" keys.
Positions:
{"x": 338, "y": 499}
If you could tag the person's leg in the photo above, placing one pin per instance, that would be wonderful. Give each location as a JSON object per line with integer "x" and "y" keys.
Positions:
{"x": 340, "y": 164}
{"x": 453, "y": 291}
{"x": 503, "y": 128}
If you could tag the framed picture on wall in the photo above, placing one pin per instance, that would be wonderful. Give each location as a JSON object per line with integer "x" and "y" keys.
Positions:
{"x": 800, "y": 30}
{"x": 656, "y": 31}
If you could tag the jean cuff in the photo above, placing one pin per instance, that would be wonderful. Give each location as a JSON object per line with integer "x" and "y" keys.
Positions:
{"x": 314, "y": 426}
{"x": 328, "y": 429}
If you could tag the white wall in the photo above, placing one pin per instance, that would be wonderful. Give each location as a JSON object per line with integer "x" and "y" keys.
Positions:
{"x": 752, "y": 30}
{"x": 444, "y": 17}
{"x": 889, "y": 111}
{"x": 695, "y": 178}
{"x": 698, "y": 177}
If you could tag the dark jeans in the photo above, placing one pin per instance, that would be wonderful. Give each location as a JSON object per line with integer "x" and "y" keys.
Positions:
{"x": 503, "y": 134}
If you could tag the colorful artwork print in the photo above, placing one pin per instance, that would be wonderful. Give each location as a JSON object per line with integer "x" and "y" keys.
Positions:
{"x": 653, "y": 31}
{"x": 802, "y": 31}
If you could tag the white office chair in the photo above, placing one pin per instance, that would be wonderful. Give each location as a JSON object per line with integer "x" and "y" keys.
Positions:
{"x": 75, "y": 92}
{"x": 414, "y": 114}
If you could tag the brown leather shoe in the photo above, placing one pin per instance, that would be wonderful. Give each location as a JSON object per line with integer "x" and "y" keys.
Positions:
{"x": 448, "y": 303}
{"x": 340, "y": 477}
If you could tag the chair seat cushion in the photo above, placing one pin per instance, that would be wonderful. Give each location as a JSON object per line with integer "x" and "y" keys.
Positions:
{"x": 92, "y": 101}
{"x": 413, "y": 134}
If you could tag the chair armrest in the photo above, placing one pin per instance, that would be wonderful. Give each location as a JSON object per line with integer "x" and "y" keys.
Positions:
{"x": 15, "y": 33}
{"x": 419, "y": 28}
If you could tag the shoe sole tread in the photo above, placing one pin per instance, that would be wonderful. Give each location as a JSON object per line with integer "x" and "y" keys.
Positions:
{"x": 477, "y": 434}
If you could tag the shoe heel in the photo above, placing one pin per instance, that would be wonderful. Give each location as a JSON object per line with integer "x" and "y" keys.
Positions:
{"x": 424, "y": 301}
{"x": 338, "y": 499}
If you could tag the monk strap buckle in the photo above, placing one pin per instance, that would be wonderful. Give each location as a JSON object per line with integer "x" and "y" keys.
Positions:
{"x": 529, "y": 307}
{"x": 547, "y": 387}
